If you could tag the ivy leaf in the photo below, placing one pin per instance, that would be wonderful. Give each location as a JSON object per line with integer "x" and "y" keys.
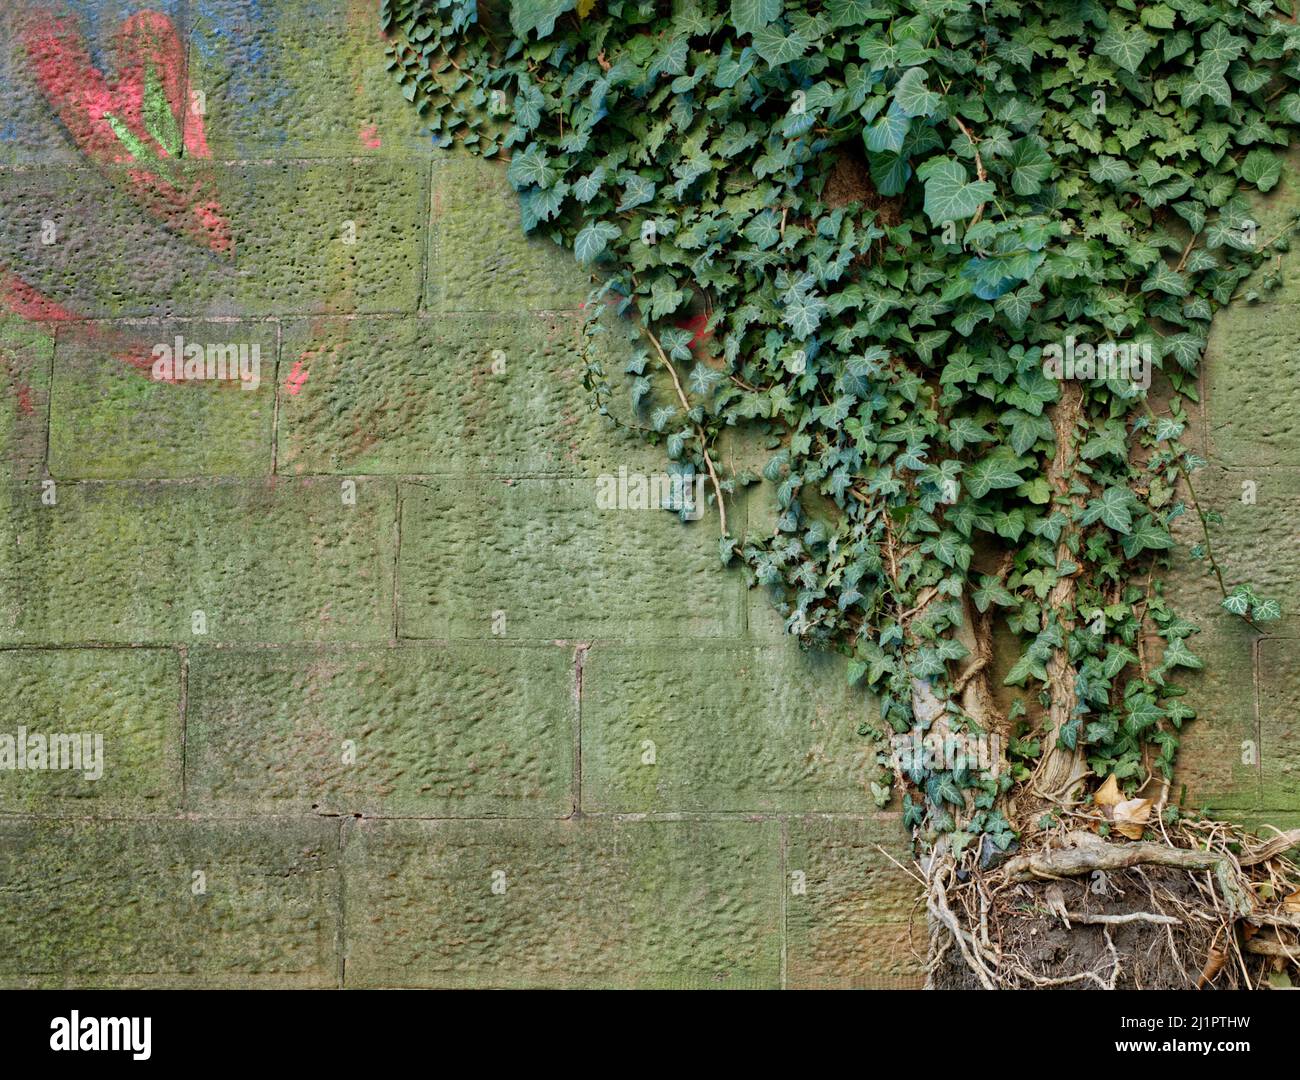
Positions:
{"x": 890, "y": 173}
{"x": 950, "y": 194}
{"x": 637, "y": 190}
{"x": 778, "y": 46}
{"x": 963, "y": 431}
{"x": 1001, "y": 469}
{"x": 591, "y": 241}
{"x": 1261, "y": 168}
{"x": 912, "y": 96}
{"x": 889, "y": 131}
{"x": 763, "y": 230}
{"x": 1030, "y": 165}
{"x": 943, "y": 788}
{"x": 1143, "y": 712}
{"x": 1177, "y": 654}
{"x": 1127, "y": 46}
{"x": 665, "y": 297}
{"x": 532, "y": 167}
{"x": 1218, "y": 45}
{"x": 588, "y": 187}
{"x": 851, "y": 12}
{"x": 660, "y": 417}
{"x": 1238, "y": 601}
{"x": 1111, "y": 508}
{"x": 1108, "y": 170}
{"x": 1146, "y": 536}
{"x": 541, "y": 204}
{"x": 750, "y": 15}
{"x": 1163, "y": 278}
{"x": 1159, "y": 16}
{"x": 703, "y": 378}
{"x": 1206, "y": 81}
{"x": 539, "y": 15}
{"x": 1266, "y": 611}
{"x": 991, "y": 591}
{"x": 803, "y": 314}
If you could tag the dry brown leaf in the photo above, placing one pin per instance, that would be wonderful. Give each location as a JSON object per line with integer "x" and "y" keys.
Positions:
{"x": 1131, "y": 817}
{"x": 1213, "y": 965}
{"x": 1292, "y": 903}
{"x": 1108, "y": 794}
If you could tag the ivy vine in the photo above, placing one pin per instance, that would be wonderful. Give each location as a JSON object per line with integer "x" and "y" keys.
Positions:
{"x": 880, "y": 233}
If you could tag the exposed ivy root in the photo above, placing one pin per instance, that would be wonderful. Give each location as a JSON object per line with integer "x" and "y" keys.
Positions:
{"x": 1205, "y": 908}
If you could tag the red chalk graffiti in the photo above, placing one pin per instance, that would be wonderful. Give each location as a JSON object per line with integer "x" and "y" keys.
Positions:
{"x": 140, "y": 119}
{"x": 25, "y": 302}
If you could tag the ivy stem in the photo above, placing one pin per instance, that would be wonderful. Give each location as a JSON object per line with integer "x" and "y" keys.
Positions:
{"x": 979, "y": 167}
{"x": 686, "y": 408}
{"x": 1186, "y": 474}
{"x": 1205, "y": 528}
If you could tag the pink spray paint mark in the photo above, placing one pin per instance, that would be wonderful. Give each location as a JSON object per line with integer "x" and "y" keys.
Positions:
{"x": 297, "y": 376}
{"x": 370, "y": 137}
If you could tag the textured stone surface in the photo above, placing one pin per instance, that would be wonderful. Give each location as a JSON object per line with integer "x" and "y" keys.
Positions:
{"x": 594, "y": 903}
{"x": 288, "y": 224}
{"x": 1219, "y": 753}
{"x": 479, "y": 258}
{"x": 469, "y": 394}
{"x": 277, "y": 561}
{"x": 129, "y": 698}
{"x": 107, "y": 255}
{"x": 125, "y": 910}
{"x": 1279, "y": 715}
{"x": 730, "y": 728}
{"x": 1254, "y": 544}
{"x": 436, "y": 732}
{"x": 1252, "y": 384}
{"x": 556, "y": 565}
{"x": 26, "y": 354}
{"x": 296, "y": 76}
{"x": 1255, "y": 420}
{"x": 850, "y": 927}
{"x": 110, "y": 420}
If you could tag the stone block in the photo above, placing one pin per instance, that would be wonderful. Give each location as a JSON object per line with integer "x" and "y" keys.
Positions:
{"x": 594, "y": 903}
{"x": 739, "y": 728}
{"x": 466, "y": 731}
{"x": 538, "y": 559}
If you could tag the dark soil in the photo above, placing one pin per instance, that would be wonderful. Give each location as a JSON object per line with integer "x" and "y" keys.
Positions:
{"x": 1150, "y": 956}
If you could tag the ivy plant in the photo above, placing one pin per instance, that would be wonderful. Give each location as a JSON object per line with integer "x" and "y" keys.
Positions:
{"x": 933, "y": 253}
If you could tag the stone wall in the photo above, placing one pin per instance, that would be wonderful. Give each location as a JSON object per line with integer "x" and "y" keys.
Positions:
{"x": 385, "y": 699}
